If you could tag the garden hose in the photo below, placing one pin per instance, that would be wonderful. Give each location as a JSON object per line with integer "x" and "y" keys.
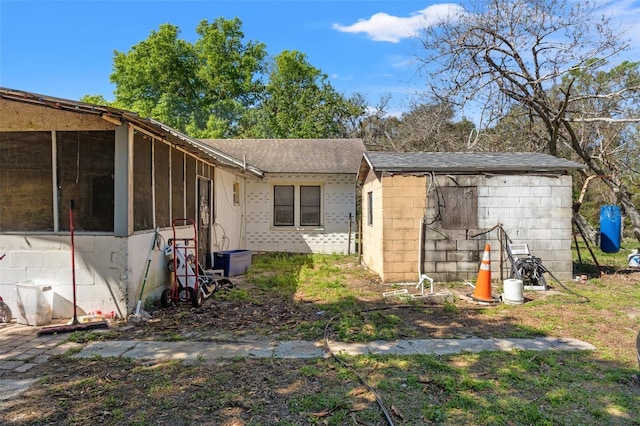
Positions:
{"x": 585, "y": 299}
{"x": 362, "y": 380}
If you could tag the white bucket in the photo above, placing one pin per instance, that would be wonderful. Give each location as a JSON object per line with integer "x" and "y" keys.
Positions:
{"x": 513, "y": 290}
{"x": 34, "y": 303}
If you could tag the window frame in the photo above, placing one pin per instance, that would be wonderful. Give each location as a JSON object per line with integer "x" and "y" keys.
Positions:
{"x": 370, "y": 208}
{"x": 278, "y": 207}
{"x": 316, "y": 206}
{"x": 298, "y": 206}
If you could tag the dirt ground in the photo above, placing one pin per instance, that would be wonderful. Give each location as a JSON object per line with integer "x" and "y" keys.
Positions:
{"x": 243, "y": 392}
{"x": 280, "y": 318}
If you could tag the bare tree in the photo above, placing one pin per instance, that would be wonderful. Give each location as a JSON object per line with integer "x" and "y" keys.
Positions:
{"x": 535, "y": 54}
{"x": 432, "y": 128}
{"x": 377, "y": 128}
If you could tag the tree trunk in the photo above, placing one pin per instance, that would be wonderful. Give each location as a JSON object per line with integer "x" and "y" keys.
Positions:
{"x": 590, "y": 232}
{"x": 630, "y": 211}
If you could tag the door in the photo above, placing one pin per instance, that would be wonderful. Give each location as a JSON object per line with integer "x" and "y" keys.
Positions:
{"x": 204, "y": 221}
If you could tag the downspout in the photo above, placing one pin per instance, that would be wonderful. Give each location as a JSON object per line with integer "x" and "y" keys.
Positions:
{"x": 421, "y": 244}
{"x": 421, "y": 248}
{"x": 421, "y": 275}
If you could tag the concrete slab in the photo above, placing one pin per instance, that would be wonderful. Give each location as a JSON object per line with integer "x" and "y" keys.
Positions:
{"x": 564, "y": 343}
{"x": 204, "y": 351}
{"x": 111, "y": 348}
{"x": 300, "y": 349}
{"x": 11, "y": 388}
{"x": 349, "y": 348}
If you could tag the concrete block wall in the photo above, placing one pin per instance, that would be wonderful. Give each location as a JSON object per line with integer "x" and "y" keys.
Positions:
{"x": 403, "y": 206}
{"x": 339, "y": 200}
{"x": 372, "y": 234}
{"x": 451, "y": 255}
{"x": 536, "y": 210}
{"x": 101, "y": 271}
{"x": 532, "y": 209}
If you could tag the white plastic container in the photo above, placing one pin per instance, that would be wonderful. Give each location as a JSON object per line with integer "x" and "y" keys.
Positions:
{"x": 35, "y": 303}
{"x": 513, "y": 292}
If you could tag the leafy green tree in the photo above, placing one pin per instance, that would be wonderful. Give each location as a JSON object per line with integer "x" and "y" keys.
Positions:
{"x": 300, "y": 102}
{"x": 97, "y": 100}
{"x": 202, "y": 89}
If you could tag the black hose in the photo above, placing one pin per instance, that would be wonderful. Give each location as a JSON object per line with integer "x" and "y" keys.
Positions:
{"x": 585, "y": 299}
{"x": 362, "y": 380}
{"x": 344, "y": 364}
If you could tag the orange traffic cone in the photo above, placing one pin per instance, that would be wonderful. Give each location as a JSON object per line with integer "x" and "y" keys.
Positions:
{"x": 483, "y": 284}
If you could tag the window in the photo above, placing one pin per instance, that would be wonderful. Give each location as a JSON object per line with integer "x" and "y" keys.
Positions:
{"x": 297, "y": 205}
{"x": 85, "y": 165}
{"x": 26, "y": 181}
{"x": 162, "y": 151}
{"x": 236, "y": 193}
{"x": 177, "y": 184}
{"x": 309, "y": 205}
{"x": 370, "y": 208}
{"x": 283, "y": 205}
{"x": 142, "y": 182}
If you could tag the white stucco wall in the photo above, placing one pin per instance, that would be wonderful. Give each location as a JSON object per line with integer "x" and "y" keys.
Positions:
{"x": 228, "y": 229}
{"x": 338, "y": 201}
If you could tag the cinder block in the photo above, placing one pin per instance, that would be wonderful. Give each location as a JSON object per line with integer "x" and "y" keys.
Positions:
{"x": 436, "y": 256}
{"x": 468, "y": 245}
{"x": 56, "y": 259}
{"x": 11, "y": 276}
{"x": 406, "y": 224}
{"x": 460, "y": 256}
{"x": 393, "y": 257}
{"x": 468, "y": 267}
{"x": 44, "y": 275}
{"x": 446, "y": 267}
{"x": 429, "y": 245}
{"x": 508, "y": 202}
{"x": 26, "y": 259}
{"x": 446, "y": 245}
{"x": 529, "y": 203}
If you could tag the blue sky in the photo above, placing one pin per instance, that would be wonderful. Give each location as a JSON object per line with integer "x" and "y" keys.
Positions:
{"x": 65, "y": 48}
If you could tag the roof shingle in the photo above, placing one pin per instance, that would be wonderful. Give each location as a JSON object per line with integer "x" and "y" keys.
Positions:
{"x": 295, "y": 155}
{"x": 452, "y": 162}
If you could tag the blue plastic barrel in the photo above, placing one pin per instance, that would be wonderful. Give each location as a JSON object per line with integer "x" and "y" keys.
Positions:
{"x": 610, "y": 229}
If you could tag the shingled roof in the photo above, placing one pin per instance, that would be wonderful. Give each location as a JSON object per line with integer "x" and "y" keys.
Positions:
{"x": 295, "y": 155}
{"x": 463, "y": 162}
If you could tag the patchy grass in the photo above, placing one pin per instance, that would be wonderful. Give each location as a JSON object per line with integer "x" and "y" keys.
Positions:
{"x": 300, "y": 296}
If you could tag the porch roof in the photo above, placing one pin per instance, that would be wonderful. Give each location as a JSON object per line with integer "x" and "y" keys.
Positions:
{"x": 116, "y": 116}
{"x": 464, "y": 162}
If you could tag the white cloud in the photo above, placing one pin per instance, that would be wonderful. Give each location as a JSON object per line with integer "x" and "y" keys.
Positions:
{"x": 384, "y": 27}
{"x": 626, "y": 14}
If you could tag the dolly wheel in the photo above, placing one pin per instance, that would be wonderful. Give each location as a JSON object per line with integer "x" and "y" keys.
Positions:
{"x": 170, "y": 265}
{"x": 196, "y": 297}
{"x": 165, "y": 298}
